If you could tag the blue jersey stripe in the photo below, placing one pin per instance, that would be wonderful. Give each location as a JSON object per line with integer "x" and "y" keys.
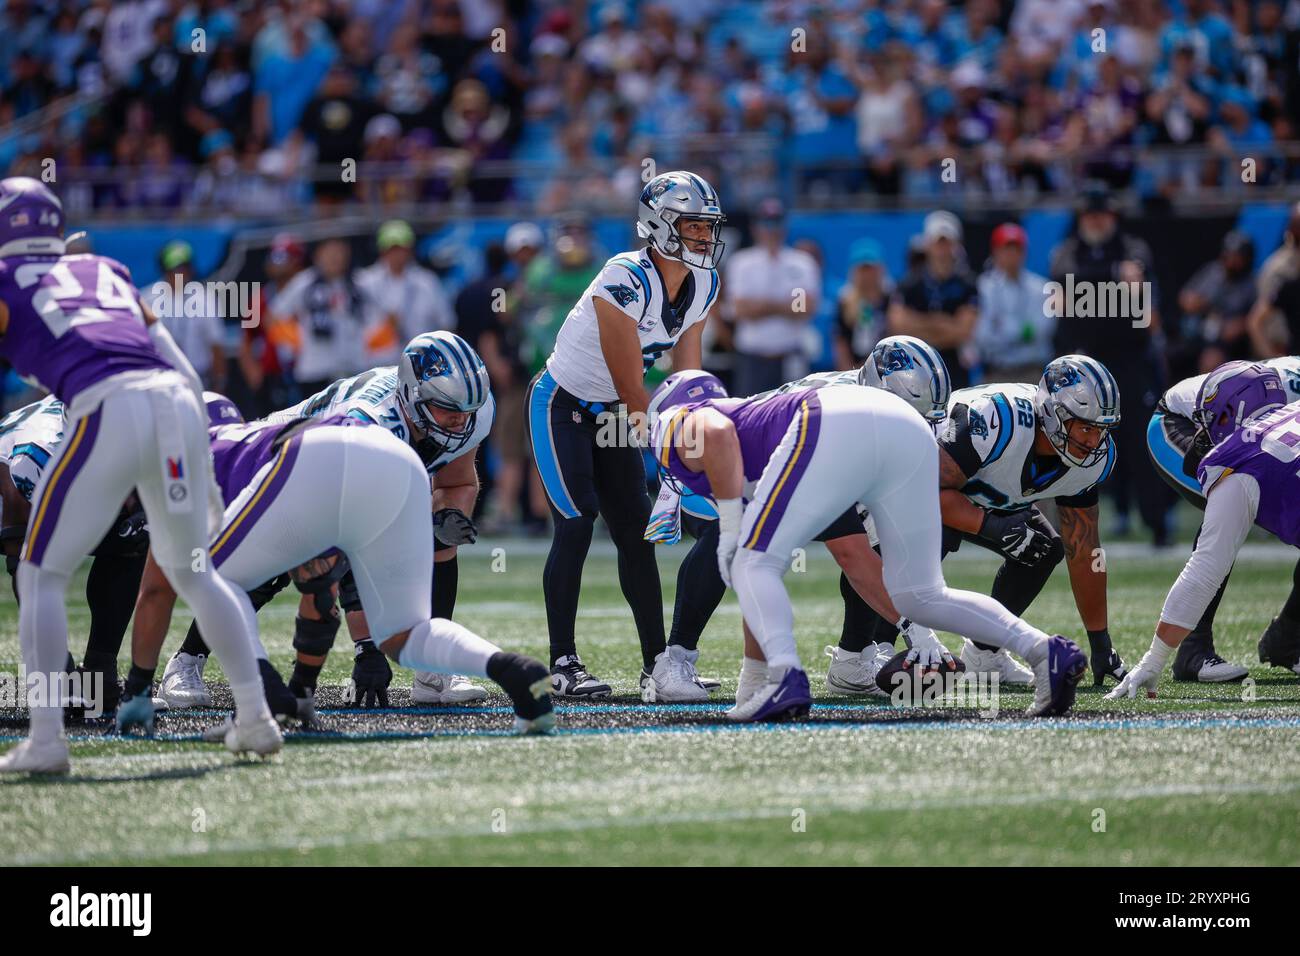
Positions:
{"x": 1006, "y": 424}
{"x": 35, "y": 452}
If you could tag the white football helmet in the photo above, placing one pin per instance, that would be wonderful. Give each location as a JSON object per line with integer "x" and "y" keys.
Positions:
{"x": 670, "y": 197}
{"x": 1077, "y": 386}
{"x": 912, "y": 370}
{"x": 440, "y": 370}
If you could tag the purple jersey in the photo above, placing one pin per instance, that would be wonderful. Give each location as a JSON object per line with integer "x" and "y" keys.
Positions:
{"x": 73, "y": 321}
{"x": 760, "y": 423}
{"x": 1268, "y": 450}
{"x": 239, "y": 452}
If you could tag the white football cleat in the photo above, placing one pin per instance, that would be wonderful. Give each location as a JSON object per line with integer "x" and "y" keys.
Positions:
{"x": 32, "y": 757}
{"x": 855, "y": 672}
{"x": 261, "y": 737}
{"x": 752, "y": 679}
{"x": 1215, "y": 670}
{"x": 430, "y": 688}
{"x": 998, "y": 662}
{"x": 182, "y": 682}
{"x": 674, "y": 679}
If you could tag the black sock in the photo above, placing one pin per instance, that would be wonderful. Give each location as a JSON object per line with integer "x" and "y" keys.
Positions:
{"x": 1291, "y": 609}
{"x": 562, "y": 580}
{"x": 445, "y": 577}
{"x": 699, "y": 589}
{"x": 278, "y": 697}
{"x": 139, "y": 680}
{"x": 193, "y": 643}
{"x": 111, "y": 589}
{"x": 302, "y": 682}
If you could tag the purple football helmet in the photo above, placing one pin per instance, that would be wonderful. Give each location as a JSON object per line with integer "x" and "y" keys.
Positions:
{"x": 1233, "y": 393}
{"x": 691, "y": 385}
{"x": 31, "y": 218}
{"x": 221, "y": 410}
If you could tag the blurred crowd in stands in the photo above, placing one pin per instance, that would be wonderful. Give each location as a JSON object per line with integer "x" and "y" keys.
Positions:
{"x": 255, "y": 105}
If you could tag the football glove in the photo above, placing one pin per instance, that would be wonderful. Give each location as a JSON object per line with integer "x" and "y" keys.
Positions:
{"x": 135, "y": 711}
{"x": 926, "y": 650}
{"x": 452, "y": 526}
{"x": 371, "y": 676}
{"x": 1014, "y": 536}
{"x": 729, "y": 514}
{"x": 1147, "y": 673}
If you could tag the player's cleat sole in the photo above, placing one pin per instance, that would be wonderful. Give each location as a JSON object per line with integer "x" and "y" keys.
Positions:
{"x": 261, "y": 737}
{"x": 787, "y": 700}
{"x": 429, "y": 688}
{"x": 30, "y": 757}
{"x": 1056, "y": 678}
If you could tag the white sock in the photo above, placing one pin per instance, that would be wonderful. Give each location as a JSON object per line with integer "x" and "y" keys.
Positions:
{"x": 752, "y": 671}
{"x": 445, "y": 647}
{"x": 43, "y": 639}
{"x": 759, "y": 582}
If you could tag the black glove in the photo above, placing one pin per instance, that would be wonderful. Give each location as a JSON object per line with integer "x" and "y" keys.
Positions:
{"x": 1015, "y": 537}
{"x": 371, "y": 676}
{"x": 453, "y": 526}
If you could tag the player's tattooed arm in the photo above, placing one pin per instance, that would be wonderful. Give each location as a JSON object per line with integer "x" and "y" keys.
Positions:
{"x": 1086, "y": 562}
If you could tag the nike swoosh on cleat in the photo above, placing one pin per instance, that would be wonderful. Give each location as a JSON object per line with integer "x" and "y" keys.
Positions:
{"x": 776, "y": 698}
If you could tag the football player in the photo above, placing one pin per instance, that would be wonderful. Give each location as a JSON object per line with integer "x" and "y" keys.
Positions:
{"x": 1176, "y": 453}
{"x": 641, "y": 304}
{"x": 1008, "y": 446}
{"x": 801, "y": 459}
{"x": 301, "y": 493}
{"x": 437, "y": 400}
{"x": 135, "y": 420}
{"x": 29, "y": 437}
{"x": 1248, "y": 478}
{"x": 901, "y": 364}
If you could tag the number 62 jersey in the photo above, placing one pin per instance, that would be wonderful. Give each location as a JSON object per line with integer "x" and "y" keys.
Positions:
{"x": 990, "y": 434}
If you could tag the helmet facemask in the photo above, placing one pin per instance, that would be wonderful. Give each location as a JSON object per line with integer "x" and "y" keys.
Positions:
{"x": 434, "y": 438}
{"x": 1057, "y": 429}
{"x": 676, "y": 246}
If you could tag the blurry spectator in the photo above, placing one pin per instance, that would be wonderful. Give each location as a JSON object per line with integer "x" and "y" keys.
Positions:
{"x": 1098, "y": 252}
{"x": 886, "y": 118}
{"x": 485, "y": 322}
{"x": 128, "y": 34}
{"x": 1215, "y": 304}
{"x": 262, "y": 358}
{"x": 402, "y": 298}
{"x": 1180, "y": 111}
{"x": 1014, "y": 333}
{"x": 773, "y": 291}
{"x": 221, "y": 95}
{"x": 286, "y": 80}
{"x": 386, "y": 184}
{"x": 323, "y": 309}
{"x": 1268, "y": 328}
{"x": 862, "y": 304}
{"x": 336, "y": 121}
{"x": 938, "y": 303}
{"x": 614, "y": 48}
{"x": 188, "y": 315}
{"x": 551, "y": 283}
{"x": 408, "y": 78}
{"x": 483, "y": 129}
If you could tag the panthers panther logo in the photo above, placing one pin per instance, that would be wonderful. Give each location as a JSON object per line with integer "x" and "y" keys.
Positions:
{"x": 623, "y": 295}
{"x": 428, "y": 363}
{"x": 1063, "y": 378}
{"x": 977, "y": 424}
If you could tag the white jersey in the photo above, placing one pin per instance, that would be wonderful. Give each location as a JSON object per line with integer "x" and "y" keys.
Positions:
{"x": 372, "y": 397}
{"x": 990, "y": 433}
{"x": 29, "y": 436}
{"x": 1181, "y": 398}
{"x": 631, "y": 283}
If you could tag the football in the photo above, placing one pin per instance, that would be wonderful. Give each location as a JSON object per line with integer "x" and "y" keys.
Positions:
{"x": 906, "y": 685}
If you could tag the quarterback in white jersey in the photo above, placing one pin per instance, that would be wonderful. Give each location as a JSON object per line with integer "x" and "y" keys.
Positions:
{"x": 640, "y": 306}
{"x": 1176, "y": 453}
{"x": 1007, "y": 446}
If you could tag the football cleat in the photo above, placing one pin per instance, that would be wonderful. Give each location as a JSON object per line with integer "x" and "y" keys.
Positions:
{"x": 570, "y": 679}
{"x": 750, "y": 682}
{"x": 182, "y": 682}
{"x": 1111, "y": 667}
{"x": 1215, "y": 670}
{"x": 1009, "y": 670}
{"x": 1280, "y": 645}
{"x": 853, "y": 672}
{"x": 790, "y": 698}
{"x": 528, "y": 684}
{"x": 32, "y": 757}
{"x": 430, "y": 688}
{"x": 674, "y": 680}
{"x": 261, "y": 737}
{"x": 1056, "y": 678}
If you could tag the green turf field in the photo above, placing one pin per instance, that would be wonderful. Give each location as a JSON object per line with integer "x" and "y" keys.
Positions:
{"x": 1199, "y": 776}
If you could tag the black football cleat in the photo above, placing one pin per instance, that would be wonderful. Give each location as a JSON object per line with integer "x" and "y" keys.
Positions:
{"x": 1280, "y": 645}
{"x": 528, "y": 684}
{"x": 569, "y": 678}
{"x": 1109, "y": 666}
